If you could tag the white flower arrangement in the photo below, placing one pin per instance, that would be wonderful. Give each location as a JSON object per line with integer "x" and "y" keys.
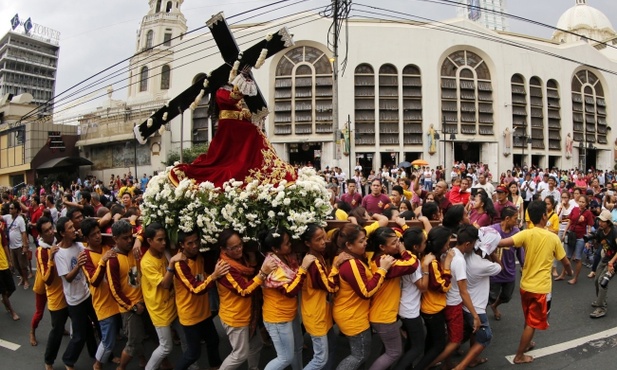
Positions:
{"x": 246, "y": 208}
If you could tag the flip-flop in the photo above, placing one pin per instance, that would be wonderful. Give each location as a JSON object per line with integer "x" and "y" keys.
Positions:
{"x": 480, "y": 361}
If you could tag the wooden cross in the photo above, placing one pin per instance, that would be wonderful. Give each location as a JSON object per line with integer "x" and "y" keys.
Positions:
{"x": 233, "y": 59}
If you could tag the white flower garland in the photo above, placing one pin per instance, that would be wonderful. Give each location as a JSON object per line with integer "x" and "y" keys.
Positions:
{"x": 246, "y": 208}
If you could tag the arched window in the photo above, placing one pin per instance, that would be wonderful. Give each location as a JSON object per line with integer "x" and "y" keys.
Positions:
{"x": 168, "y": 7}
{"x": 466, "y": 94}
{"x": 303, "y": 93}
{"x": 588, "y": 109}
{"x": 165, "y": 77}
{"x": 200, "y": 117}
{"x": 143, "y": 79}
{"x": 158, "y": 6}
{"x": 536, "y": 105}
{"x": 554, "y": 115}
{"x": 364, "y": 82}
{"x": 388, "y": 105}
{"x": 149, "y": 39}
{"x": 412, "y": 105}
{"x": 519, "y": 108}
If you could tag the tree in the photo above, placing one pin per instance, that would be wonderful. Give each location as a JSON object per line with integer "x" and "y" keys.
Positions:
{"x": 189, "y": 154}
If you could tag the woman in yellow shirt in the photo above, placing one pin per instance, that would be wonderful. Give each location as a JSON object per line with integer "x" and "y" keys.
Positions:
{"x": 433, "y": 301}
{"x": 384, "y": 305}
{"x": 357, "y": 285}
{"x": 552, "y": 224}
{"x": 316, "y": 310}
{"x": 280, "y": 291}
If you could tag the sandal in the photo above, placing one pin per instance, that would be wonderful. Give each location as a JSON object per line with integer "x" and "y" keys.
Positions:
{"x": 591, "y": 275}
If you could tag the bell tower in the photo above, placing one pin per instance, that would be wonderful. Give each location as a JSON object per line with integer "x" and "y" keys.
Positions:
{"x": 150, "y": 69}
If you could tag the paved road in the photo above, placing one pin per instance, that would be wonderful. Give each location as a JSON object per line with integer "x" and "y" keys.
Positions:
{"x": 569, "y": 321}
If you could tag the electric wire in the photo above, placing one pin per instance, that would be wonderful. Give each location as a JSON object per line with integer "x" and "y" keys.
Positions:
{"x": 41, "y": 109}
{"x": 179, "y": 66}
{"x": 516, "y": 17}
{"x": 472, "y": 33}
{"x": 154, "y": 57}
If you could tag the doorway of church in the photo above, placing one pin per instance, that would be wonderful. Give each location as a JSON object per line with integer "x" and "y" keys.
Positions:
{"x": 467, "y": 152}
{"x": 305, "y": 154}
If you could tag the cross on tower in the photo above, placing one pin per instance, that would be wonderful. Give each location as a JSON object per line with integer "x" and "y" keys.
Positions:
{"x": 234, "y": 60}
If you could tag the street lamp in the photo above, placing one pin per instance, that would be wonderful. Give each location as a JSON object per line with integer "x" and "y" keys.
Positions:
{"x": 450, "y": 140}
{"x": 523, "y": 136}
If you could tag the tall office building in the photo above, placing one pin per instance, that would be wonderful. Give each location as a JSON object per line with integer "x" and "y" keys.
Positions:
{"x": 28, "y": 64}
{"x": 486, "y": 12}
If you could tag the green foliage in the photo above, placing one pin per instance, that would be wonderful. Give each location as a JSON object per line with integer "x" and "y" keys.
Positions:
{"x": 189, "y": 154}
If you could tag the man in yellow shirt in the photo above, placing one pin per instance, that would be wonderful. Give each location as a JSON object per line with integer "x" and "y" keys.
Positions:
{"x": 105, "y": 306}
{"x": 157, "y": 277}
{"x": 7, "y": 285}
{"x": 191, "y": 284}
{"x": 124, "y": 284}
{"x": 56, "y": 303}
{"x": 541, "y": 247}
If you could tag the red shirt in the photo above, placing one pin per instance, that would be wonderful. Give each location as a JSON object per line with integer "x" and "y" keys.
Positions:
{"x": 35, "y": 214}
{"x": 457, "y": 196}
{"x": 580, "y": 227}
{"x": 353, "y": 200}
{"x": 375, "y": 204}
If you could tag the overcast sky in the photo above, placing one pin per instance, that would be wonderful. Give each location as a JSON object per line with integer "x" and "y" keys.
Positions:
{"x": 96, "y": 34}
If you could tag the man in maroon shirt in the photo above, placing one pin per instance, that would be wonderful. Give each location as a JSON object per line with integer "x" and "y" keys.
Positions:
{"x": 376, "y": 201}
{"x": 352, "y": 197}
{"x": 502, "y": 202}
{"x": 440, "y": 196}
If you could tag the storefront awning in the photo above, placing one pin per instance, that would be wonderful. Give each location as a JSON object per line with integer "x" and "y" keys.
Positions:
{"x": 65, "y": 162}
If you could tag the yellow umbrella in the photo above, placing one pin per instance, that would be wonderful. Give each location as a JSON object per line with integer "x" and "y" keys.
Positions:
{"x": 419, "y": 162}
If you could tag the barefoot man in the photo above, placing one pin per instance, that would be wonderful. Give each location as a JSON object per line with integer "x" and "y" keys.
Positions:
{"x": 541, "y": 246}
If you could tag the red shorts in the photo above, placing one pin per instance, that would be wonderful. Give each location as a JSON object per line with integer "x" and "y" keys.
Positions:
{"x": 535, "y": 309}
{"x": 455, "y": 323}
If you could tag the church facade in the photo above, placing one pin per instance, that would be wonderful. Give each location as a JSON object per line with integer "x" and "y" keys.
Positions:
{"x": 442, "y": 91}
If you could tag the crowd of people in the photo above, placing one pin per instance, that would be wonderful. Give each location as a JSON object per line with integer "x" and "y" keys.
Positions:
{"x": 438, "y": 278}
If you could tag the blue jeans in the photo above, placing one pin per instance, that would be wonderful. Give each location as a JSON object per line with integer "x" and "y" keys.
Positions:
{"x": 360, "y": 346}
{"x": 320, "y": 352}
{"x": 109, "y": 331}
{"x": 287, "y": 340}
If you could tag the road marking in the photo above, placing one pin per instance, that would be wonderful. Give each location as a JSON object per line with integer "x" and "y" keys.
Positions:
{"x": 560, "y": 347}
{"x": 9, "y": 345}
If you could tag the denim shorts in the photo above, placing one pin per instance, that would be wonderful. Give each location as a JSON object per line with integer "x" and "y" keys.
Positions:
{"x": 484, "y": 334}
{"x": 576, "y": 252}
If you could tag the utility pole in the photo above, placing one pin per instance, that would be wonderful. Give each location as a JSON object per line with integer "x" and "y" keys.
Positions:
{"x": 334, "y": 60}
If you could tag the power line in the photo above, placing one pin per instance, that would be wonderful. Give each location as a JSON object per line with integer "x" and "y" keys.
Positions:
{"x": 477, "y": 34}
{"x": 515, "y": 17}
{"x": 45, "y": 106}
{"x": 181, "y": 65}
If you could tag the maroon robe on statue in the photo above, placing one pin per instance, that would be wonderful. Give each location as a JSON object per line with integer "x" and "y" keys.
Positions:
{"x": 239, "y": 150}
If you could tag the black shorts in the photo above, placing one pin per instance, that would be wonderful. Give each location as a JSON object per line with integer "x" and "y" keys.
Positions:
{"x": 7, "y": 285}
{"x": 503, "y": 291}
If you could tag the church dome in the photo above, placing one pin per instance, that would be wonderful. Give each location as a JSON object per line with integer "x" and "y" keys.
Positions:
{"x": 583, "y": 20}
